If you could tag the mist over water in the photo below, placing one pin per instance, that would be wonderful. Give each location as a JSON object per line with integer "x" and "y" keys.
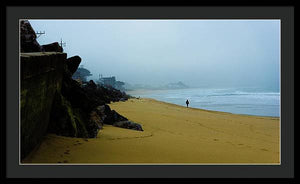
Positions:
{"x": 200, "y": 53}
{"x": 230, "y": 65}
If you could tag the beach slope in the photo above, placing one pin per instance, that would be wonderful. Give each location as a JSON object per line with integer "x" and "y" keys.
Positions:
{"x": 172, "y": 135}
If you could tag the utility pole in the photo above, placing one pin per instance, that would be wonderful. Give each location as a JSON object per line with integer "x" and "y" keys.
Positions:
{"x": 39, "y": 34}
{"x": 62, "y": 44}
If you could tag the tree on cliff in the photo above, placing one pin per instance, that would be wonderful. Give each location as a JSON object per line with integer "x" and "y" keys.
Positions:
{"x": 81, "y": 73}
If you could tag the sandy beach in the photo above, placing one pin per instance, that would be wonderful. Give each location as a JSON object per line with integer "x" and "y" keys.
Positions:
{"x": 172, "y": 135}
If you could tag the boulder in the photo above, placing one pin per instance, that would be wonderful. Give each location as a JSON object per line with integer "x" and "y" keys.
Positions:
{"x": 28, "y": 38}
{"x": 65, "y": 120}
{"x": 78, "y": 96}
{"x": 95, "y": 124}
{"x": 102, "y": 111}
{"x": 73, "y": 122}
{"x": 117, "y": 117}
{"x": 123, "y": 99}
{"x": 128, "y": 125}
{"x": 91, "y": 86}
{"x": 112, "y": 117}
{"x": 73, "y": 63}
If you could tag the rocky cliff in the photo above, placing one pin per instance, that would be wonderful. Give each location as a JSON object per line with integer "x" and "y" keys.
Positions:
{"x": 51, "y": 101}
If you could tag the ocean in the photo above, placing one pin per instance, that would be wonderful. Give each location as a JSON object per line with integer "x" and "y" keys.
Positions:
{"x": 249, "y": 101}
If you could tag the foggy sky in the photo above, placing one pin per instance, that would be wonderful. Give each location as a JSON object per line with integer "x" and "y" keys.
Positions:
{"x": 213, "y": 53}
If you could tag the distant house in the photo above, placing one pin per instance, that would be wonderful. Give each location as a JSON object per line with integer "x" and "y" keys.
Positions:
{"x": 111, "y": 81}
{"x": 108, "y": 81}
{"x": 119, "y": 85}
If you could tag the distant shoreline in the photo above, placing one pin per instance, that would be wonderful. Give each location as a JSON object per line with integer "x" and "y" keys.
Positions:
{"x": 142, "y": 92}
{"x": 212, "y": 111}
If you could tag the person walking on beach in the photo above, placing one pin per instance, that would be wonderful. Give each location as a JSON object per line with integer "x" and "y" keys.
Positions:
{"x": 187, "y": 103}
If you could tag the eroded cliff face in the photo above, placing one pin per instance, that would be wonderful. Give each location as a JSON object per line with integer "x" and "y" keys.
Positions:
{"x": 45, "y": 105}
{"x": 41, "y": 79}
{"x": 51, "y": 101}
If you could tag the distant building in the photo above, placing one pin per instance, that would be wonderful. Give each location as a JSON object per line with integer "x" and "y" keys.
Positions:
{"x": 119, "y": 85}
{"x": 111, "y": 81}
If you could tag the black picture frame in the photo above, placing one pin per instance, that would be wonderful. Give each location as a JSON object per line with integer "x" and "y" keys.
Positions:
{"x": 13, "y": 171}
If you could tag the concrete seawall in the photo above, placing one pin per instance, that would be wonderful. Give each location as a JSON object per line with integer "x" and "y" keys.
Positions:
{"x": 41, "y": 78}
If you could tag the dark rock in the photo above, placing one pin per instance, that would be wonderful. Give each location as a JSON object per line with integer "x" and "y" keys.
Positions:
{"x": 104, "y": 94}
{"x": 95, "y": 124}
{"x": 52, "y": 47}
{"x": 78, "y": 96}
{"x": 112, "y": 117}
{"x": 128, "y": 125}
{"x": 73, "y": 63}
{"x": 95, "y": 118}
{"x": 73, "y": 122}
{"x": 28, "y": 38}
{"x": 117, "y": 117}
{"x": 64, "y": 120}
{"x": 103, "y": 111}
{"x": 123, "y": 99}
{"x": 91, "y": 85}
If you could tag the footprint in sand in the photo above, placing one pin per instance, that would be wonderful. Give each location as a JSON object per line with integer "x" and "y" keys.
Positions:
{"x": 216, "y": 139}
{"x": 240, "y": 144}
{"x": 67, "y": 152}
{"x": 65, "y": 161}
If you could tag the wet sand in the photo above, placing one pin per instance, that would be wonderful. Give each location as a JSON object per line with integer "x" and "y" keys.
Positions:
{"x": 172, "y": 135}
